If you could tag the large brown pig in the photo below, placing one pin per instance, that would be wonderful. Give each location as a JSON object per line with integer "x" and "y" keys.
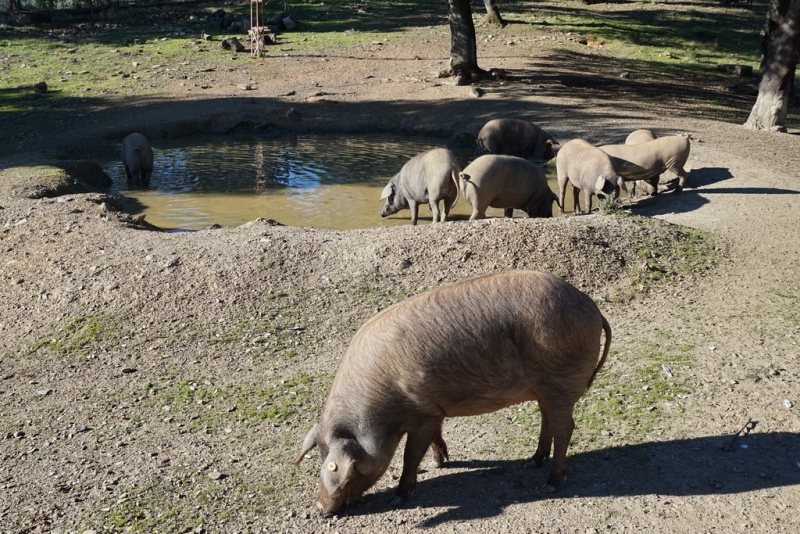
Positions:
{"x": 646, "y": 161}
{"x": 428, "y": 177}
{"x": 589, "y": 169}
{"x": 506, "y": 182}
{"x": 515, "y": 137}
{"x": 470, "y": 348}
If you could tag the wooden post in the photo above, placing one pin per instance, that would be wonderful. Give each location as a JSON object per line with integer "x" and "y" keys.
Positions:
{"x": 256, "y": 32}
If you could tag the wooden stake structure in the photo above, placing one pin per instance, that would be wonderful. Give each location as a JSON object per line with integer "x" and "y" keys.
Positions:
{"x": 257, "y": 31}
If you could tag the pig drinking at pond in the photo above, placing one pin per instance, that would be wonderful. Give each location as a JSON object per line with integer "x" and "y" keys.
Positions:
{"x": 428, "y": 177}
{"x": 506, "y": 182}
{"x": 589, "y": 169}
{"x": 638, "y": 137}
{"x": 516, "y": 137}
{"x": 137, "y": 157}
{"x": 470, "y": 348}
{"x": 646, "y": 161}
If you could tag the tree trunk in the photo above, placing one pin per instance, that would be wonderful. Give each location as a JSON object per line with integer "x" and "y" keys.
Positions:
{"x": 463, "y": 47}
{"x": 782, "y": 46}
{"x": 492, "y": 13}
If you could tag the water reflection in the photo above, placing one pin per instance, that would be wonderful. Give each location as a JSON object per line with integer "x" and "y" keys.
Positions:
{"x": 325, "y": 181}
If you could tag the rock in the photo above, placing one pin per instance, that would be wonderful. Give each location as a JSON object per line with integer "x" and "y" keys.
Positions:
{"x": 232, "y": 44}
{"x": 216, "y": 475}
{"x": 40, "y": 87}
{"x": 742, "y": 71}
{"x": 477, "y": 92}
{"x": 787, "y": 403}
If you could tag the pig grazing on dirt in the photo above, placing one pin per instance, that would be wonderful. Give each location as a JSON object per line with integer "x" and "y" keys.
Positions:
{"x": 428, "y": 177}
{"x": 516, "y": 137}
{"x": 646, "y": 161}
{"x": 470, "y": 348}
{"x": 506, "y": 182}
{"x": 589, "y": 169}
{"x": 137, "y": 157}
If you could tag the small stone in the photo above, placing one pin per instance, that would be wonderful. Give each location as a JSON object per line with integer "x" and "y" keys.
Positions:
{"x": 19, "y": 434}
{"x": 216, "y": 475}
{"x": 787, "y": 403}
{"x": 477, "y": 92}
{"x": 44, "y": 392}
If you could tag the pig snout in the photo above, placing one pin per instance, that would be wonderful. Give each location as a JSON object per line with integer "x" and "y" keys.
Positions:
{"x": 388, "y": 209}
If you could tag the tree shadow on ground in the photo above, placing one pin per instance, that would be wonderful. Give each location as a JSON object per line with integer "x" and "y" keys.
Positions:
{"x": 710, "y": 465}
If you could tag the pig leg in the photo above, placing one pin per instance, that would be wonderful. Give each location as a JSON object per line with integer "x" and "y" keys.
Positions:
{"x": 562, "y": 192}
{"x": 439, "y": 448}
{"x": 478, "y": 212}
{"x": 508, "y": 213}
{"x": 414, "y": 207}
{"x": 545, "y": 440}
{"x": 682, "y": 176}
{"x": 587, "y": 199}
{"x": 561, "y": 425}
{"x": 417, "y": 443}
{"x": 434, "y": 210}
{"x": 450, "y": 200}
{"x": 575, "y": 194}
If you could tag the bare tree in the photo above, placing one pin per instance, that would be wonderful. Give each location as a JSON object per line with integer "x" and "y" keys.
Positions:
{"x": 778, "y": 65}
{"x": 492, "y": 13}
{"x": 463, "y": 46}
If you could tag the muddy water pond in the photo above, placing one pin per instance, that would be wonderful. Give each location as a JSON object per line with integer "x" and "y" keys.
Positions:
{"x": 324, "y": 181}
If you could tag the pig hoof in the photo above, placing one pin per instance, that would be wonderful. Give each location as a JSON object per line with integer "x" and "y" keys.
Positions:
{"x": 436, "y": 463}
{"x": 397, "y": 500}
{"x": 547, "y": 488}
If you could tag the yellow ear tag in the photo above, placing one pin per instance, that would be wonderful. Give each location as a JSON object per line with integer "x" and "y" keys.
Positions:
{"x": 331, "y": 466}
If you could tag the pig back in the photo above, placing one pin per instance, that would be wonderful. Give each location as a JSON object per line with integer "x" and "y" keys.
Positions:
{"x": 475, "y": 347}
{"x": 431, "y": 172}
{"x": 647, "y": 160}
{"x": 504, "y": 181}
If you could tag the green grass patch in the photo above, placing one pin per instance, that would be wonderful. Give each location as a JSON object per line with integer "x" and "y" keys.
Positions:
{"x": 78, "y": 334}
{"x": 690, "y": 253}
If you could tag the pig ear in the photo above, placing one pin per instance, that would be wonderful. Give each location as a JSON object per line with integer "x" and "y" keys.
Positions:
{"x": 309, "y": 443}
{"x": 387, "y": 190}
{"x": 600, "y": 183}
{"x": 621, "y": 183}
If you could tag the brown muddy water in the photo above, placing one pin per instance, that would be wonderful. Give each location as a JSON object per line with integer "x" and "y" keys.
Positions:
{"x": 324, "y": 181}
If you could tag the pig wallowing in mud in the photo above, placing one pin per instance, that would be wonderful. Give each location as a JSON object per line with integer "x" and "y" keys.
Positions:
{"x": 470, "y": 348}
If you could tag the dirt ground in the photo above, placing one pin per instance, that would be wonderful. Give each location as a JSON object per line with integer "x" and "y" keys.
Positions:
{"x": 164, "y": 381}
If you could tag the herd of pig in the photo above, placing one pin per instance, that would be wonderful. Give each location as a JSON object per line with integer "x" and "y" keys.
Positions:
{"x": 481, "y": 344}
{"x": 503, "y": 179}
